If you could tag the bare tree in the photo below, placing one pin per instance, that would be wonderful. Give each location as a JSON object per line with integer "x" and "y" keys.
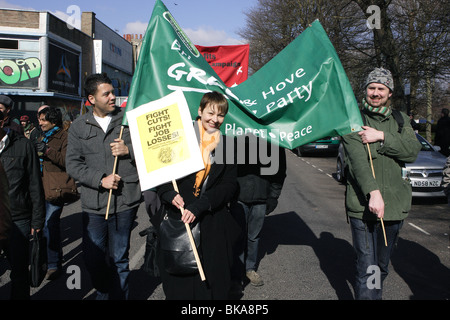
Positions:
{"x": 273, "y": 24}
{"x": 410, "y": 39}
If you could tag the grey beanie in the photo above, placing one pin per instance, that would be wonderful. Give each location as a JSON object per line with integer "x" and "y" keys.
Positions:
{"x": 380, "y": 75}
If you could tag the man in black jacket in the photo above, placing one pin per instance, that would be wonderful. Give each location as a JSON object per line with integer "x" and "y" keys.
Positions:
{"x": 26, "y": 194}
{"x": 5, "y": 213}
{"x": 6, "y": 105}
{"x": 261, "y": 175}
{"x": 442, "y": 137}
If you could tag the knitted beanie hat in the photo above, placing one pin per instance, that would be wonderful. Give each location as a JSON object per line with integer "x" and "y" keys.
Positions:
{"x": 380, "y": 75}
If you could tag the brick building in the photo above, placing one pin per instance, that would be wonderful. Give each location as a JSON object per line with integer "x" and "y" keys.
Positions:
{"x": 44, "y": 60}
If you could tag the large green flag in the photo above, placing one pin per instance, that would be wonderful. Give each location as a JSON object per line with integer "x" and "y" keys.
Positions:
{"x": 300, "y": 96}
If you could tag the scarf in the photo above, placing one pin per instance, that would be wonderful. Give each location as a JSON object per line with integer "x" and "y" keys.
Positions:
{"x": 47, "y": 135}
{"x": 384, "y": 110}
{"x": 208, "y": 142}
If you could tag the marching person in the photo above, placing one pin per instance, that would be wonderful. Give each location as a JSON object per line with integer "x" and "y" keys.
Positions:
{"x": 5, "y": 212}
{"x": 27, "y": 205}
{"x": 52, "y": 152}
{"x": 382, "y": 194}
{"x": 92, "y": 147}
{"x": 257, "y": 197}
{"x": 204, "y": 197}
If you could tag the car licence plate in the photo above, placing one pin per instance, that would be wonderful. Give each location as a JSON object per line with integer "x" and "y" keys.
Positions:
{"x": 426, "y": 183}
{"x": 321, "y": 146}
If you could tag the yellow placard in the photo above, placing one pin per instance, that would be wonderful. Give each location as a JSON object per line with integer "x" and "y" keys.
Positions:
{"x": 163, "y": 140}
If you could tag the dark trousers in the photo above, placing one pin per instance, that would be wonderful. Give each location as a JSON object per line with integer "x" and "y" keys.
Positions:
{"x": 372, "y": 255}
{"x": 18, "y": 254}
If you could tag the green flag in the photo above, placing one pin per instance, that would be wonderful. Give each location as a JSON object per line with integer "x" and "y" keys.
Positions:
{"x": 300, "y": 96}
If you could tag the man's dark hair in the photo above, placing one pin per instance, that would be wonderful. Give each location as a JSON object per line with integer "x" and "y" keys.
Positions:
{"x": 445, "y": 112}
{"x": 53, "y": 115}
{"x": 1, "y": 116}
{"x": 93, "y": 81}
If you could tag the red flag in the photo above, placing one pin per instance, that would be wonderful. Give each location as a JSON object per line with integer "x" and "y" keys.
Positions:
{"x": 229, "y": 62}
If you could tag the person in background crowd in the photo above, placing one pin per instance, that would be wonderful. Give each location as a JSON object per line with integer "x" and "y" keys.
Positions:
{"x": 446, "y": 179}
{"x": 6, "y": 105}
{"x": 257, "y": 197}
{"x": 26, "y": 195}
{"x": 442, "y": 136}
{"x": 52, "y": 152}
{"x": 5, "y": 212}
{"x": 29, "y": 129}
{"x": 413, "y": 123}
{"x": 383, "y": 193}
{"x": 93, "y": 145}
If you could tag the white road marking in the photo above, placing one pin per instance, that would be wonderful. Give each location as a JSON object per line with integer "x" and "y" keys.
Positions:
{"x": 418, "y": 228}
{"x": 135, "y": 259}
{"x": 314, "y": 166}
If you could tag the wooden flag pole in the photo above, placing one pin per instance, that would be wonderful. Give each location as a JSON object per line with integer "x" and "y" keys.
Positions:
{"x": 373, "y": 173}
{"x": 114, "y": 171}
{"x": 191, "y": 239}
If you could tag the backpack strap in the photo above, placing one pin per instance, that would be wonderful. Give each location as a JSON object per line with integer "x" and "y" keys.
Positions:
{"x": 399, "y": 118}
{"x": 363, "y": 117}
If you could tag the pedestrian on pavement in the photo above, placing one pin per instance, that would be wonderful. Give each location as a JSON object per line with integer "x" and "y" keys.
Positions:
{"x": 204, "y": 196}
{"x": 446, "y": 179}
{"x": 26, "y": 195}
{"x": 94, "y": 143}
{"x": 52, "y": 153}
{"x": 5, "y": 212}
{"x": 382, "y": 193}
{"x": 6, "y": 104}
{"x": 260, "y": 185}
{"x": 413, "y": 122}
{"x": 442, "y": 136}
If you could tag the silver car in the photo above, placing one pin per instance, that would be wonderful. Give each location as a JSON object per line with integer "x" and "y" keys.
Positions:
{"x": 425, "y": 173}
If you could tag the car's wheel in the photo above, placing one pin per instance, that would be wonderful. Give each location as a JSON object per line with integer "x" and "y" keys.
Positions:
{"x": 340, "y": 170}
{"x": 301, "y": 152}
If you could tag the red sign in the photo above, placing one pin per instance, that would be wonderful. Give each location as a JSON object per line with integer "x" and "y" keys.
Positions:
{"x": 229, "y": 62}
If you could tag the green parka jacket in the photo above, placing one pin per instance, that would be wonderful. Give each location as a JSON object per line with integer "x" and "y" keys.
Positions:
{"x": 388, "y": 158}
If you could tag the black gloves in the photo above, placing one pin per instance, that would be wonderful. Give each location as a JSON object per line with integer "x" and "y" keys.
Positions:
{"x": 41, "y": 148}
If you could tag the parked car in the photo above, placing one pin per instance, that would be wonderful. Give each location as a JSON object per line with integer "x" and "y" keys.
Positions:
{"x": 425, "y": 173}
{"x": 325, "y": 145}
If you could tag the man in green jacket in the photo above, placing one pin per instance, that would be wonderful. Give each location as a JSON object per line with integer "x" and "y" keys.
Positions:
{"x": 377, "y": 194}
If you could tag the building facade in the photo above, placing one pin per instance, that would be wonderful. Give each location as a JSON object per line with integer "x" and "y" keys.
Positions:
{"x": 44, "y": 60}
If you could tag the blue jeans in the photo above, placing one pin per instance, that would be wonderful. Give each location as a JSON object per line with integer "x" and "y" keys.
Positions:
{"x": 106, "y": 244}
{"x": 52, "y": 232}
{"x": 251, "y": 219}
{"x": 372, "y": 255}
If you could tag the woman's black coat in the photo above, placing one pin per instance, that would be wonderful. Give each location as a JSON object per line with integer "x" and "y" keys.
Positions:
{"x": 218, "y": 229}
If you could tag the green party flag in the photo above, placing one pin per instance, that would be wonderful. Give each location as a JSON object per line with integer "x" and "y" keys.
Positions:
{"x": 300, "y": 96}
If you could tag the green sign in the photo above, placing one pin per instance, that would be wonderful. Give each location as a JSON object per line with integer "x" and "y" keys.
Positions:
{"x": 300, "y": 96}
